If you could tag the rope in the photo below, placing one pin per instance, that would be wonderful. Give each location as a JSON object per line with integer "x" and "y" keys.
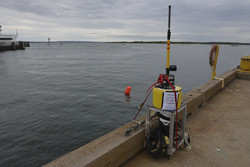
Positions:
{"x": 188, "y": 146}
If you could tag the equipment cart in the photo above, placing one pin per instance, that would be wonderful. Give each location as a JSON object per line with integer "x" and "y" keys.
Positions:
{"x": 171, "y": 115}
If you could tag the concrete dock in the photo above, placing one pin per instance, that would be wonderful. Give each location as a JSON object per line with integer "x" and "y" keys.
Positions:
{"x": 217, "y": 122}
{"x": 220, "y": 133}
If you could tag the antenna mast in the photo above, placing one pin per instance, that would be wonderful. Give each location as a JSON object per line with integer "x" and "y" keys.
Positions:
{"x": 168, "y": 37}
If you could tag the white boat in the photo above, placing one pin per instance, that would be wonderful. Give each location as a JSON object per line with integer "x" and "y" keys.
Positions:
{"x": 7, "y": 39}
{"x": 234, "y": 44}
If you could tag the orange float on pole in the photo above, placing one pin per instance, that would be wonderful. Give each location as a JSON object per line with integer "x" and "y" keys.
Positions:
{"x": 127, "y": 90}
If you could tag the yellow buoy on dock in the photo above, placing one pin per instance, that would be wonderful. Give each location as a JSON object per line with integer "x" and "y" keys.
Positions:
{"x": 245, "y": 64}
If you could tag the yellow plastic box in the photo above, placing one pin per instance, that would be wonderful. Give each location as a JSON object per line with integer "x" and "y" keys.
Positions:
{"x": 164, "y": 99}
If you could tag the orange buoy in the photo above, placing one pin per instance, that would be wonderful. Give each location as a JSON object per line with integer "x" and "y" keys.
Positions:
{"x": 127, "y": 90}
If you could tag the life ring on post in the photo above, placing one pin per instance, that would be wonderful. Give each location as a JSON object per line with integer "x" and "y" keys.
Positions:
{"x": 212, "y": 55}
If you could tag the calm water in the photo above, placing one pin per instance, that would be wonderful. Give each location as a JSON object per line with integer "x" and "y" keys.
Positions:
{"x": 54, "y": 99}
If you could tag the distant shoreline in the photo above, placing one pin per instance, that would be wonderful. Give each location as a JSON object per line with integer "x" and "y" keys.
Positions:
{"x": 147, "y": 42}
{"x": 164, "y": 42}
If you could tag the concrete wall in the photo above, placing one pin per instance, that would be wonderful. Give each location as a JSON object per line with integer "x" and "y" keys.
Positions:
{"x": 115, "y": 148}
{"x": 243, "y": 75}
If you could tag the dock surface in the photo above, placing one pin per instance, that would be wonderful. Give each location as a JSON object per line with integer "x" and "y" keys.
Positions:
{"x": 219, "y": 132}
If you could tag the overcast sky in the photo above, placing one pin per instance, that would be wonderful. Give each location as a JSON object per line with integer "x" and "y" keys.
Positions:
{"x": 126, "y": 20}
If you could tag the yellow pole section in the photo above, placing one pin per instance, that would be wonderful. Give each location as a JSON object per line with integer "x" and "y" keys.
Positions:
{"x": 168, "y": 53}
{"x": 215, "y": 62}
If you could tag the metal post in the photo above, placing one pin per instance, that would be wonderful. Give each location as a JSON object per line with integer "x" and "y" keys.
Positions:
{"x": 171, "y": 134}
{"x": 148, "y": 120}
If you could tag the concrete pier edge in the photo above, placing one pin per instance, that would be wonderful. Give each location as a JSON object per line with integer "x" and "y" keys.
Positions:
{"x": 114, "y": 148}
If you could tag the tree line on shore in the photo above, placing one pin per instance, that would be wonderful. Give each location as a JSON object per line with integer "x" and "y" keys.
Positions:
{"x": 181, "y": 42}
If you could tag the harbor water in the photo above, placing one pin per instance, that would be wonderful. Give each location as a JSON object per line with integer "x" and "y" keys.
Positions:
{"x": 56, "y": 98}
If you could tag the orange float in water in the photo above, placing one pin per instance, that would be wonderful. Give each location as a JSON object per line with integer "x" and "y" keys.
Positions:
{"x": 127, "y": 90}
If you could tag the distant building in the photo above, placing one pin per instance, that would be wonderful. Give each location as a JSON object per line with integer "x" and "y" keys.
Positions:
{"x": 7, "y": 39}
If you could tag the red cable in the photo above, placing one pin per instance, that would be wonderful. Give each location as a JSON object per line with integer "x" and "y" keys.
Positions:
{"x": 143, "y": 104}
{"x": 176, "y": 110}
{"x": 160, "y": 81}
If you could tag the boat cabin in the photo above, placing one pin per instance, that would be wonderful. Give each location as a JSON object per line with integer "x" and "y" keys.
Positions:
{"x": 7, "y": 39}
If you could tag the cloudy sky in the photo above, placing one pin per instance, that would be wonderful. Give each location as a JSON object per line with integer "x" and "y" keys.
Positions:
{"x": 126, "y": 20}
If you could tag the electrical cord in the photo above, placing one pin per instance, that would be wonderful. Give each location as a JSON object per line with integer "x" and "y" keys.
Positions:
{"x": 156, "y": 144}
{"x": 155, "y": 140}
{"x": 129, "y": 130}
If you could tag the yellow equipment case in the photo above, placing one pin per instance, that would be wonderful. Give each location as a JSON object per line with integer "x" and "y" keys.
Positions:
{"x": 164, "y": 99}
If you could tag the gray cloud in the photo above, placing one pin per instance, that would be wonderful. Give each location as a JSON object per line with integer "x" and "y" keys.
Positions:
{"x": 109, "y": 20}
